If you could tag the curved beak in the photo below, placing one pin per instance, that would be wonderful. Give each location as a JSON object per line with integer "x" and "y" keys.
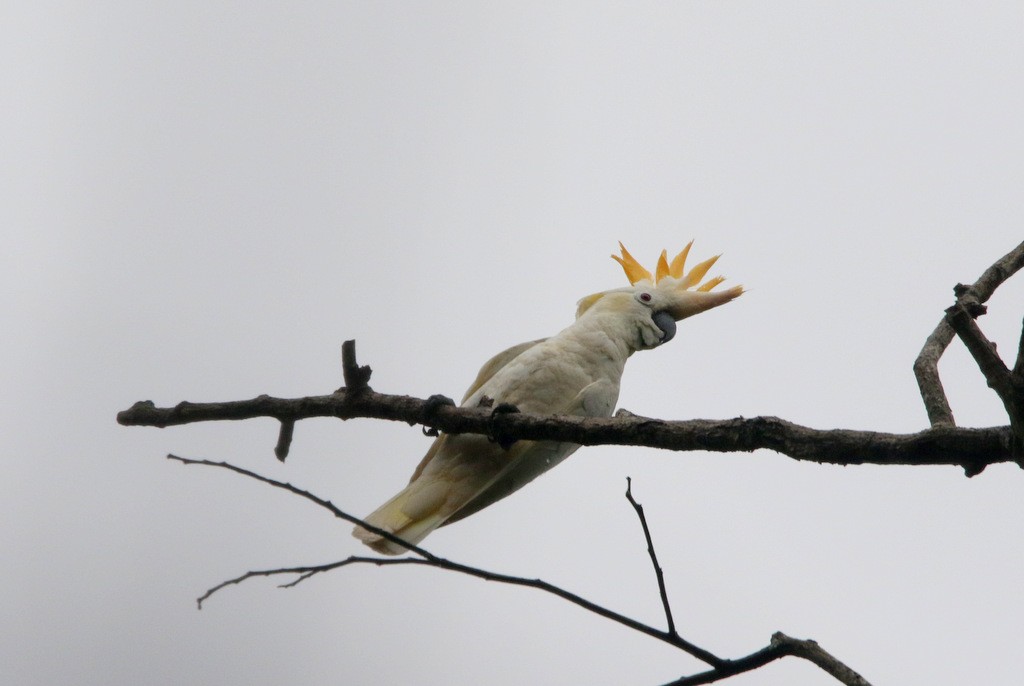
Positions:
{"x": 664, "y": 321}
{"x": 688, "y": 303}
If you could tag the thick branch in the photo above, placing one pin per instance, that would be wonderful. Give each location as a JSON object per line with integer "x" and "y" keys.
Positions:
{"x": 968, "y": 448}
{"x": 926, "y": 366}
{"x": 1009, "y": 386}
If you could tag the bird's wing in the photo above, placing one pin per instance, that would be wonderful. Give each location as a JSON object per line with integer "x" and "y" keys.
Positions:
{"x": 456, "y": 468}
{"x": 489, "y": 369}
{"x": 492, "y": 365}
{"x": 536, "y": 457}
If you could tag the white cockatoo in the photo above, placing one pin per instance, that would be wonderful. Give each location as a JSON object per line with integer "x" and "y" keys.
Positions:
{"x": 575, "y": 372}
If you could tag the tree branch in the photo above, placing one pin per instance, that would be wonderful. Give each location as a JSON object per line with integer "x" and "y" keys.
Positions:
{"x": 357, "y": 378}
{"x": 780, "y": 646}
{"x": 658, "y": 573}
{"x": 1018, "y": 366}
{"x": 926, "y": 370}
{"x": 810, "y": 650}
{"x": 1006, "y": 384}
{"x": 965, "y": 447}
{"x": 926, "y": 367}
{"x": 284, "y": 439}
{"x": 430, "y": 560}
{"x": 326, "y": 504}
{"x": 971, "y": 449}
{"x": 943, "y": 444}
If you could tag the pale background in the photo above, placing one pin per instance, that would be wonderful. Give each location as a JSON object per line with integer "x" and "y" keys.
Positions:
{"x": 201, "y": 200}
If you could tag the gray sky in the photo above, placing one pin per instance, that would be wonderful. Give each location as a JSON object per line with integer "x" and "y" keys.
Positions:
{"x": 202, "y": 200}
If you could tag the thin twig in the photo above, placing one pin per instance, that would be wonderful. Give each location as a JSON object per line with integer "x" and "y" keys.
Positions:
{"x": 721, "y": 669}
{"x": 448, "y": 565}
{"x": 303, "y": 572}
{"x": 780, "y": 646}
{"x": 326, "y": 504}
{"x": 658, "y": 572}
{"x": 431, "y": 560}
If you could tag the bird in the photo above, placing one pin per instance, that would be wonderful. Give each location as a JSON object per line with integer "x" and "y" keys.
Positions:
{"x": 576, "y": 372}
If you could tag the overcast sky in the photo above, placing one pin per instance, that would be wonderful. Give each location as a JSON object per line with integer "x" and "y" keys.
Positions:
{"x": 203, "y": 199}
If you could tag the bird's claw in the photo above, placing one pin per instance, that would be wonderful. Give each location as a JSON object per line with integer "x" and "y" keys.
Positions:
{"x": 495, "y": 437}
{"x": 430, "y": 408}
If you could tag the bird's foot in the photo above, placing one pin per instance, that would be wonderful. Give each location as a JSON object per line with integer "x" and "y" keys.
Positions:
{"x": 430, "y": 408}
{"x": 504, "y": 441}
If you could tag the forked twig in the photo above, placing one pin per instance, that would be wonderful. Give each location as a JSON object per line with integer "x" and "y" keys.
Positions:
{"x": 926, "y": 365}
{"x": 780, "y": 646}
{"x": 1008, "y": 385}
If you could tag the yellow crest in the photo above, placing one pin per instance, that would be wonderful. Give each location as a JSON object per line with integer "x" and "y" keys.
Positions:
{"x": 636, "y": 272}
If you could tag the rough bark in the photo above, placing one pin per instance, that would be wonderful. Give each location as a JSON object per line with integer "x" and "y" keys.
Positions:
{"x": 969, "y": 448}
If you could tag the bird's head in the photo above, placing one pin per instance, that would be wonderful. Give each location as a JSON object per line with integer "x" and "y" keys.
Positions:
{"x": 655, "y": 302}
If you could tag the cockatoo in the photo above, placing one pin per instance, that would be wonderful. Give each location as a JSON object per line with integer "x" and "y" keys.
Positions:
{"x": 575, "y": 372}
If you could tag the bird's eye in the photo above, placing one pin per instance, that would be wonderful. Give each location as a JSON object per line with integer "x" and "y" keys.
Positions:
{"x": 645, "y": 297}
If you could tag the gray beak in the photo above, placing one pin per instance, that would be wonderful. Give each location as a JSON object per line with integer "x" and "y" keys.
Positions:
{"x": 665, "y": 322}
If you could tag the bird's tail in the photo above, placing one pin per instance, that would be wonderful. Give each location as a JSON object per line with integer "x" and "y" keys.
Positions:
{"x": 410, "y": 515}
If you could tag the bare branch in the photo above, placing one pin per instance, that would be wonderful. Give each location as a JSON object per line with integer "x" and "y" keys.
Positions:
{"x": 965, "y": 447}
{"x": 1018, "y": 366}
{"x": 780, "y": 646}
{"x": 658, "y": 573}
{"x": 356, "y": 378}
{"x": 943, "y": 444}
{"x": 972, "y": 449}
{"x": 302, "y": 572}
{"x": 356, "y": 381}
{"x": 284, "y": 439}
{"x": 731, "y": 668}
{"x": 436, "y": 562}
{"x": 810, "y": 650}
{"x": 926, "y": 366}
{"x": 982, "y": 350}
{"x": 995, "y": 371}
{"x": 326, "y": 504}
{"x": 926, "y": 369}
{"x": 430, "y": 560}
